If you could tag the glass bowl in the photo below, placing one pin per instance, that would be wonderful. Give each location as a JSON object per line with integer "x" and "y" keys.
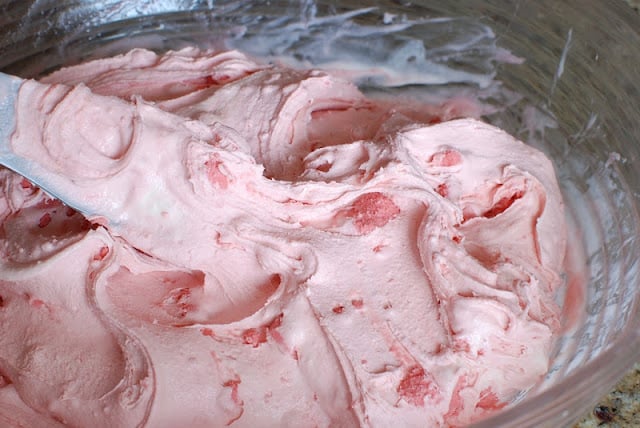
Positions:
{"x": 559, "y": 75}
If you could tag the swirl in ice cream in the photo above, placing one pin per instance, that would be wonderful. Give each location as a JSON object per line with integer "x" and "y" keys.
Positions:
{"x": 270, "y": 247}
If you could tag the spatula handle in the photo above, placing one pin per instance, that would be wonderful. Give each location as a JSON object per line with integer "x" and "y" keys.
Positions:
{"x": 9, "y": 87}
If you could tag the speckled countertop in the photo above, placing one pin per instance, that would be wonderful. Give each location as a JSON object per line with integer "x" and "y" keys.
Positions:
{"x": 621, "y": 407}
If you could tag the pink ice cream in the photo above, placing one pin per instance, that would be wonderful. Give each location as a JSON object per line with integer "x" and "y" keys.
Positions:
{"x": 268, "y": 247}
